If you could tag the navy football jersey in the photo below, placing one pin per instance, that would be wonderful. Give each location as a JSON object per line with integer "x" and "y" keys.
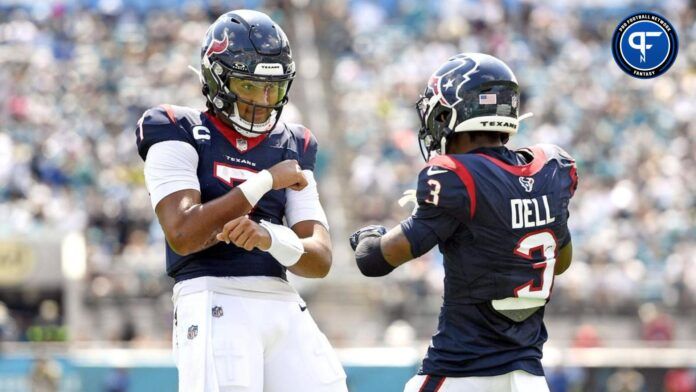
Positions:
{"x": 225, "y": 160}
{"x": 499, "y": 218}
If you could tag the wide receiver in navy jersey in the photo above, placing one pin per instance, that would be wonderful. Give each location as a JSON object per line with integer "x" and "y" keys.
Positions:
{"x": 499, "y": 217}
{"x": 234, "y": 192}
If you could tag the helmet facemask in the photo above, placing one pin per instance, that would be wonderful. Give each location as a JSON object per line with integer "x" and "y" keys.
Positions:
{"x": 246, "y": 90}
{"x": 435, "y": 127}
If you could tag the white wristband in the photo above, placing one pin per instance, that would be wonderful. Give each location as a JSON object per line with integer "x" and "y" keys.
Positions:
{"x": 286, "y": 246}
{"x": 256, "y": 186}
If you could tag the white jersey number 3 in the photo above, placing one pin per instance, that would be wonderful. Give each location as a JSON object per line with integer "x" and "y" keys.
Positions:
{"x": 546, "y": 242}
{"x": 530, "y": 295}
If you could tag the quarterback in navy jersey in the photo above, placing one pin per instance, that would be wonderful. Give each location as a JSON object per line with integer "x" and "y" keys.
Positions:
{"x": 499, "y": 217}
{"x": 234, "y": 191}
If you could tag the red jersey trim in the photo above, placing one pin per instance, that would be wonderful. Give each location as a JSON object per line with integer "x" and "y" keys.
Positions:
{"x": 463, "y": 173}
{"x": 432, "y": 383}
{"x": 573, "y": 180}
{"x": 307, "y": 138}
{"x": 231, "y": 135}
{"x": 170, "y": 113}
{"x": 527, "y": 170}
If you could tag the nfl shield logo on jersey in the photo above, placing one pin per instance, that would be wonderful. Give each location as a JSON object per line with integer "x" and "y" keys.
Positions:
{"x": 527, "y": 183}
{"x": 241, "y": 144}
{"x": 192, "y": 332}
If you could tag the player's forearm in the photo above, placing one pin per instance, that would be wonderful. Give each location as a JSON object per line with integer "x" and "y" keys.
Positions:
{"x": 378, "y": 252}
{"x": 196, "y": 226}
{"x": 316, "y": 260}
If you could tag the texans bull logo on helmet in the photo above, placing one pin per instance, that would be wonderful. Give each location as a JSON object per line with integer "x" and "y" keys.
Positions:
{"x": 448, "y": 81}
{"x": 218, "y": 46}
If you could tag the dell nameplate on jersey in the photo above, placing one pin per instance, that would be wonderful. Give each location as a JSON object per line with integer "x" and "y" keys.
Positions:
{"x": 525, "y": 212}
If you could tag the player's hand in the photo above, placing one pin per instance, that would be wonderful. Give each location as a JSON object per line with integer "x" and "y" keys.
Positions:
{"x": 367, "y": 231}
{"x": 288, "y": 174}
{"x": 245, "y": 233}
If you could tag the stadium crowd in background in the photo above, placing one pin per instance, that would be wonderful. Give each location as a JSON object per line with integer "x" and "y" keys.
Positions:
{"x": 74, "y": 79}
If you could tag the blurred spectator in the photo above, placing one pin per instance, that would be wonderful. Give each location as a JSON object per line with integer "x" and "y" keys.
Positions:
{"x": 680, "y": 380}
{"x": 117, "y": 380}
{"x": 586, "y": 336}
{"x": 567, "y": 379}
{"x": 8, "y": 326}
{"x": 45, "y": 375}
{"x": 626, "y": 380}
{"x": 47, "y": 326}
{"x": 656, "y": 326}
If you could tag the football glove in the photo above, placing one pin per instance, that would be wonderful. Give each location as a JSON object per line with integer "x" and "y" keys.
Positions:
{"x": 367, "y": 231}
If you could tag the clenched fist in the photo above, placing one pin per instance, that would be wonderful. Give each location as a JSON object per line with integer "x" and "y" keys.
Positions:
{"x": 288, "y": 174}
{"x": 245, "y": 233}
{"x": 367, "y": 231}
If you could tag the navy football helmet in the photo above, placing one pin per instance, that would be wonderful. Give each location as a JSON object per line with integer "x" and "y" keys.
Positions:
{"x": 246, "y": 59}
{"x": 469, "y": 92}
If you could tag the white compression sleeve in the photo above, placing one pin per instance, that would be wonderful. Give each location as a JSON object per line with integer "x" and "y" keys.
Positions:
{"x": 304, "y": 205}
{"x": 286, "y": 246}
{"x": 170, "y": 166}
{"x": 256, "y": 186}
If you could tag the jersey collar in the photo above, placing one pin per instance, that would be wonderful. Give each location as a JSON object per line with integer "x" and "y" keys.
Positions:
{"x": 510, "y": 161}
{"x": 500, "y": 153}
{"x": 236, "y": 139}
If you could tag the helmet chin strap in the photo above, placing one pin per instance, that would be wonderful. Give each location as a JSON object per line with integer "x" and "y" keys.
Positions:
{"x": 443, "y": 146}
{"x": 448, "y": 132}
{"x": 243, "y": 126}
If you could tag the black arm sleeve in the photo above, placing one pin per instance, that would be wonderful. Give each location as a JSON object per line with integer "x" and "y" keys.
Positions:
{"x": 370, "y": 259}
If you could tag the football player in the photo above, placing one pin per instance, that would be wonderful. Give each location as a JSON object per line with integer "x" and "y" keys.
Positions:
{"x": 222, "y": 181}
{"x": 499, "y": 217}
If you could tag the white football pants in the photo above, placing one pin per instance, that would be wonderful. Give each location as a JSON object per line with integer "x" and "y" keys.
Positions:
{"x": 517, "y": 381}
{"x": 229, "y": 343}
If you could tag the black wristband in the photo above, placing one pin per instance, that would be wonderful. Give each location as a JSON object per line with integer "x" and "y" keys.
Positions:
{"x": 370, "y": 259}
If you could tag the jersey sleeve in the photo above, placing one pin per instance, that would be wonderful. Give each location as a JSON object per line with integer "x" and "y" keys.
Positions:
{"x": 569, "y": 182}
{"x": 308, "y": 148}
{"x": 159, "y": 124}
{"x": 566, "y": 163}
{"x": 442, "y": 207}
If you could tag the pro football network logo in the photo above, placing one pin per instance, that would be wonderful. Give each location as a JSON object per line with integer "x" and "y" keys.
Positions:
{"x": 645, "y": 45}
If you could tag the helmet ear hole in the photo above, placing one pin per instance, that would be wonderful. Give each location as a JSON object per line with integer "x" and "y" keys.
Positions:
{"x": 443, "y": 116}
